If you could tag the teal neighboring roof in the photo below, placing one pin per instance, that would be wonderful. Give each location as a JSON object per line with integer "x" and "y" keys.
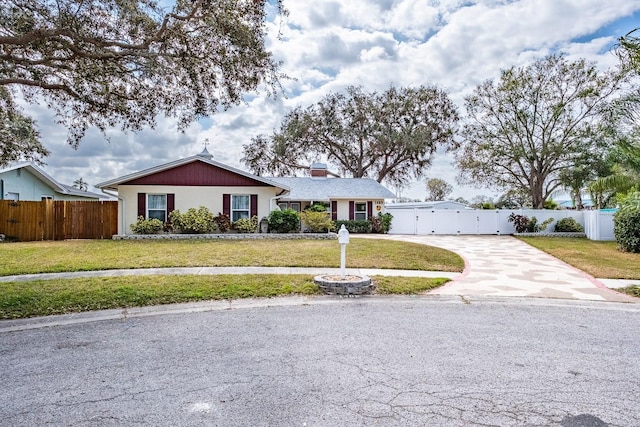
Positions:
{"x": 325, "y": 189}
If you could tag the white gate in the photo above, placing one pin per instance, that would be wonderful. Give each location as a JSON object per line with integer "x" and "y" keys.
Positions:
{"x": 425, "y": 221}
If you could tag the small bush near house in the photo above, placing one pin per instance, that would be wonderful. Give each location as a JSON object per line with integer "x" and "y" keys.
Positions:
{"x": 193, "y": 221}
{"x": 316, "y": 221}
{"x": 626, "y": 224}
{"x": 381, "y": 223}
{"x": 359, "y": 226}
{"x": 568, "y": 225}
{"x": 386, "y": 221}
{"x": 284, "y": 221}
{"x": 147, "y": 226}
{"x": 532, "y": 225}
{"x": 223, "y": 222}
{"x": 520, "y": 222}
{"x": 376, "y": 224}
{"x": 317, "y": 207}
{"x": 246, "y": 225}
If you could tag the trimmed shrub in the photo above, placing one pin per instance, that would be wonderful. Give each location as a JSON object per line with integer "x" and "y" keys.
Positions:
{"x": 626, "y": 224}
{"x": 359, "y": 226}
{"x": 223, "y": 222}
{"x": 532, "y": 225}
{"x": 246, "y": 225}
{"x": 284, "y": 221}
{"x": 568, "y": 225}
{"x": 626, "y": 228}
{"x": 316, "y": 221}
{"x": 147, "y": 226}
{"x": 193, "y": 221}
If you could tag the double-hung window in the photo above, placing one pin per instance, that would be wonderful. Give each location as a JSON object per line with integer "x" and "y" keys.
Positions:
{"x": 157, "y": 206}
{"x": 360, "y": 212}
{"x": 240, "y": 206}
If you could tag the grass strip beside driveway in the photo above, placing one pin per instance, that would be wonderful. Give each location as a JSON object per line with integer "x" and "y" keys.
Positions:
{"x": 61, "y": 296}
{"x": 599, "y": 259}
{"x": 87, "y": 255}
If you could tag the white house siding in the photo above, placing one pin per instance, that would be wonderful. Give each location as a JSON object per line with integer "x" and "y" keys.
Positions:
{"x": 185, "y": 198}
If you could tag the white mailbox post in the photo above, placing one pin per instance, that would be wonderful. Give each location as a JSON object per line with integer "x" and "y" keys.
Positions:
{"x": 343, "y": 239}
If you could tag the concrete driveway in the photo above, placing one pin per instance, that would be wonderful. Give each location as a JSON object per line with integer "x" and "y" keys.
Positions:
{"x": 504, "y": 266}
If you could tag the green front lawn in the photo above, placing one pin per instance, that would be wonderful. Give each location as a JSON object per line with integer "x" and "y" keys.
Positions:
{"x": 47, "y": 297}
{"x": 85, "y": 255}
{"x": 599, "y": 259}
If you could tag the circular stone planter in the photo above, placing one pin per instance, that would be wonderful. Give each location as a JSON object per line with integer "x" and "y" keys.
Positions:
{"x": 333, "y": 284}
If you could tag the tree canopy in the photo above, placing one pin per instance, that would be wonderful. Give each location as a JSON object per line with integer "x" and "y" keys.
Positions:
{"x": 19, "y": 138}
{"x": 438, "y": 189}
{"x": 387, "y": 136}
{"x": 624, "y": 159}
{"x": 535, "y": 121}
{"x": 629, "y": 49}
{"x": 107, "y": 63}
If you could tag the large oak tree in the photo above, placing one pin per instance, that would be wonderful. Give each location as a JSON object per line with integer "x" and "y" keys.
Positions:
{"x": 388, "y": 136}
{"x": 19, "y": 138}
{"x": 532, "y": 123}
{"x": 106, "y": 63}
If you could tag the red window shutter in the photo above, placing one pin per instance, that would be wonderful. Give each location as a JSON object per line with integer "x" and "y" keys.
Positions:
{"x": 254, "y": 205}
{"x": 334, "y": 210}
{"x": 171, "y": 203}
{"x": 352, "y": 210}
{"x": 142, "y": 204}
{"x": 226, "y": 204}
{"x": 370, "y": 209}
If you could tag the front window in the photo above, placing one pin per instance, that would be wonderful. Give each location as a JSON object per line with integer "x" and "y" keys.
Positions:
{"x": 157, "y": 206}
{"x": 239, "y": 207}
{"x": 360, "y": 211}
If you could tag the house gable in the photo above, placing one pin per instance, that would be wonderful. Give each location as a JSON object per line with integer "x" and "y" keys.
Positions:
{"x": 195, "y": 174}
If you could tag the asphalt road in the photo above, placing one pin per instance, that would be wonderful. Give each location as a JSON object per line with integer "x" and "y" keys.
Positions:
{"x": 365, "y": 361}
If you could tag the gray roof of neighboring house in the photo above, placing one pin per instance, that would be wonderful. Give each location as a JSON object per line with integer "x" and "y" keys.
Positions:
{"x": 55, "y": 185}
{"x": 324, "y": 189}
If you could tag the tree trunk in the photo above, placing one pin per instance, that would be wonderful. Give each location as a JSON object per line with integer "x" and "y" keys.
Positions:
{"x": 537, "y": 198}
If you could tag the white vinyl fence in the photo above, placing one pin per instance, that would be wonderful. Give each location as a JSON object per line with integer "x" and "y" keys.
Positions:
{"x": 416, "y": 220}
{"x": 598, "y": 225}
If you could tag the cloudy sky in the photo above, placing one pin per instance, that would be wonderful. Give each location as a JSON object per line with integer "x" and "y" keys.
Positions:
{"x": 328, "y": 45}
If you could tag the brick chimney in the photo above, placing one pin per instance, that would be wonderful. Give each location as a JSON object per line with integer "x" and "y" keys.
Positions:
{"x": 318, "y": 170}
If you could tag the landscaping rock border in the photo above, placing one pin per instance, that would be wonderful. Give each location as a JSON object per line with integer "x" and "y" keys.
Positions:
{"x": 552, "y": 234}
{"x": 229, "y": 236}
{"x": 352, "y": 285}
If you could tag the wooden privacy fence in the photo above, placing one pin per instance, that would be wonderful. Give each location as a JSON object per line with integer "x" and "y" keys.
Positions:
{"x": 58, "y": 220}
